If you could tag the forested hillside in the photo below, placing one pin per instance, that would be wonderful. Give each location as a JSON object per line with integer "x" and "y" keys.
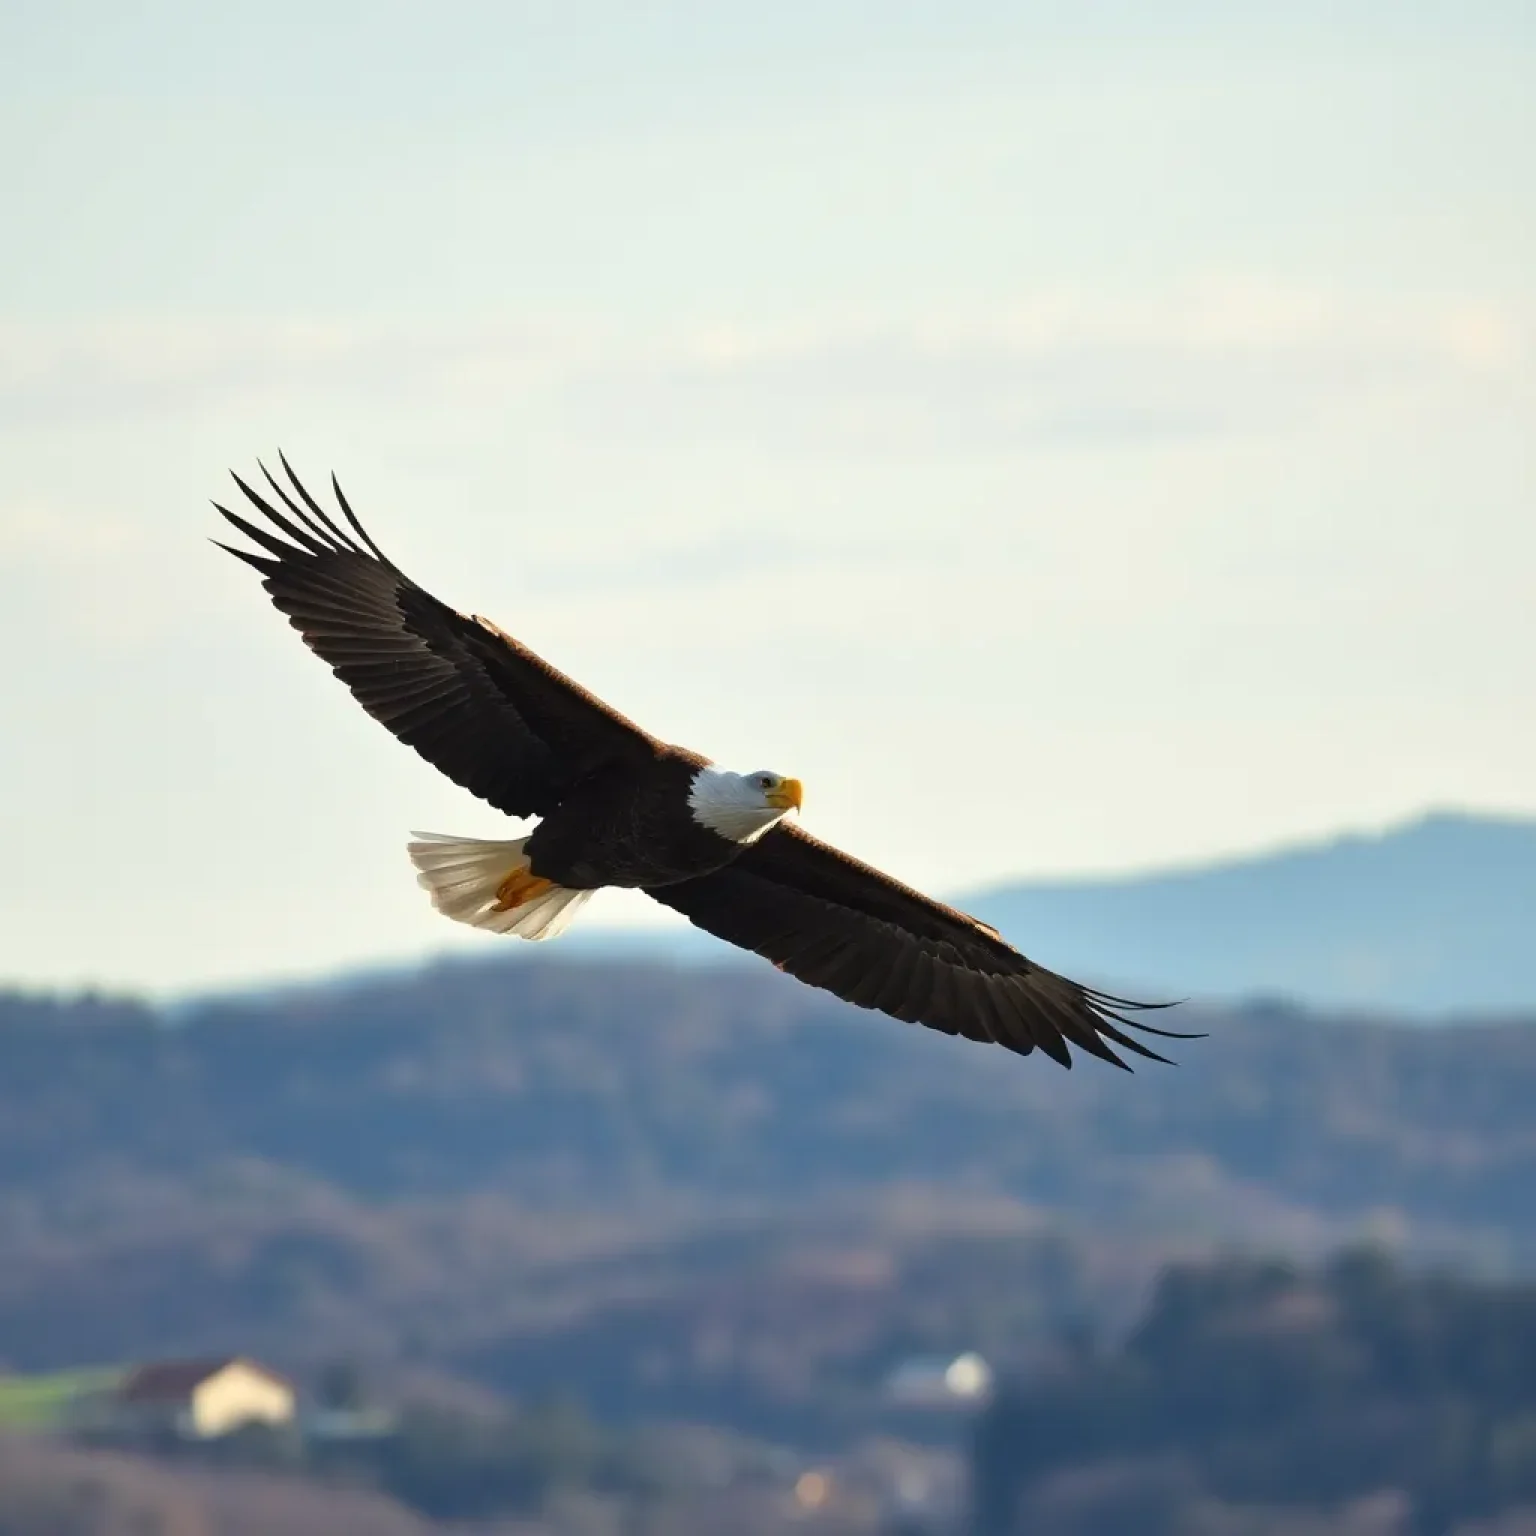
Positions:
{"x": 1253, "y": 1395}
{"x": 537, "y": 1172}
{"x": 587, "y": 1086}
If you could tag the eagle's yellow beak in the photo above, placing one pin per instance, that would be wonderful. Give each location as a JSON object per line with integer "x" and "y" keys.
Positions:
{"x": 786, "y": 796}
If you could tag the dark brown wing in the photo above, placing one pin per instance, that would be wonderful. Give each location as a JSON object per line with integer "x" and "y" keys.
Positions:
{"x": 835, "y": 923}
{"x": 480, "y": 707}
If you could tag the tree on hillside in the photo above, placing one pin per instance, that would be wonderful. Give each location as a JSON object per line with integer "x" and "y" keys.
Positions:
{"x": 1254, "y": 1384}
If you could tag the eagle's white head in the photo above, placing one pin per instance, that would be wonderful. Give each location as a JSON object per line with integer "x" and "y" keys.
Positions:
{"x": 742, "y": 806}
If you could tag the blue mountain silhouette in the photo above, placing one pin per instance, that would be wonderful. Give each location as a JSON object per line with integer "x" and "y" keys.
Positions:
{"x": 1430, "y": 918}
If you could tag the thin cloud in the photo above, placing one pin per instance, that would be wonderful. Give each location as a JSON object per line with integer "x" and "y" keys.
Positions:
{"x": 1230, "y": 358}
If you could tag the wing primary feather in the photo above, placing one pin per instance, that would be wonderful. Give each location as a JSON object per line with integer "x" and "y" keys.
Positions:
{"x": 1048, "y": 1037}
{"x": 1091, "y": 1039}
{"x": 303, "y": 536}
{"x": 1122, "y": 1039}
{"x": 268, "y": 541}
{"x": 1108, "y": 1004}
{"x": 1100, "y": 1002}
{"x": 1080, "y": 1028}
{"x": 1150, "y": 1029}
{"x": 351, "y": 516}
{"x": 1165, "y": 1034}
{"x": 1071, "y": 1017}
{"x": 1057, "y": 1025}
{"x": 1042, "y": 1017}
{"x": 1130, "y": 1002}
{"x": 1104, "y": 1053}
{"x": 315, "y": 507}
{"x": 315, "y": 518}
{"x": 257, "y": 562}
{"x": 1055, "y": 1047}
{"x": 1083, "y": 1021}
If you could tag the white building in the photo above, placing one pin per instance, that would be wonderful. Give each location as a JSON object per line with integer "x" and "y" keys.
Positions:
{"x": 940, "y": 1382}
{"x": 201, "y": 1399}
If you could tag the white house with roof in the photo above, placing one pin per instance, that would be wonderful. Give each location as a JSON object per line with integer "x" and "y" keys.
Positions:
{"x": 202, "y": 1399}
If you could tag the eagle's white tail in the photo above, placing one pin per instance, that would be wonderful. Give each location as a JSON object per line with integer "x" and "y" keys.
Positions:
{"x": 471, "y": 879}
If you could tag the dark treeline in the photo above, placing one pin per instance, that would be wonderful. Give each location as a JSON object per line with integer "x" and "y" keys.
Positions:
{"x": 1254, "y": 1386}
{"x": 602, "y": 1084}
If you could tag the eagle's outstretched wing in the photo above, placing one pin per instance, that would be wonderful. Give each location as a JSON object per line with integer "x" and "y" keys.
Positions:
{"x": 475, "y": 703}
{"x": 832, "y": 922}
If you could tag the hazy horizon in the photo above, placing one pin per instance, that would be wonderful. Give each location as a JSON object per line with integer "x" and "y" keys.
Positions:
{"x": 1067, "y": 449}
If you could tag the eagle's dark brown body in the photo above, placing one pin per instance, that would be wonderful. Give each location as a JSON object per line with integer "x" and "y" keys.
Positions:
{"x": 614, "y": 802}
{"x": 620, "y": 827}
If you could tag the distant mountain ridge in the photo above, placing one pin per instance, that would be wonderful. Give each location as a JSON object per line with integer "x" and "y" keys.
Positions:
{"x": 1432, "y": 918}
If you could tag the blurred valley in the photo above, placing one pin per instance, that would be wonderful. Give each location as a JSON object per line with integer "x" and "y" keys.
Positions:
{"x": 700, "y": 1202}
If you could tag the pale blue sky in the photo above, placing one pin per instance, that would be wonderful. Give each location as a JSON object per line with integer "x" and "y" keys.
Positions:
{"x": 1069, "y": 437}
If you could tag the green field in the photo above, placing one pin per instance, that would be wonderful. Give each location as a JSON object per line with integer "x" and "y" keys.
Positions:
{"x": 42, "y": 1402}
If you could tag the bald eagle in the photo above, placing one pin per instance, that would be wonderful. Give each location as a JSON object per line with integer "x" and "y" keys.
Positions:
{"x": 617, "y": 807}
